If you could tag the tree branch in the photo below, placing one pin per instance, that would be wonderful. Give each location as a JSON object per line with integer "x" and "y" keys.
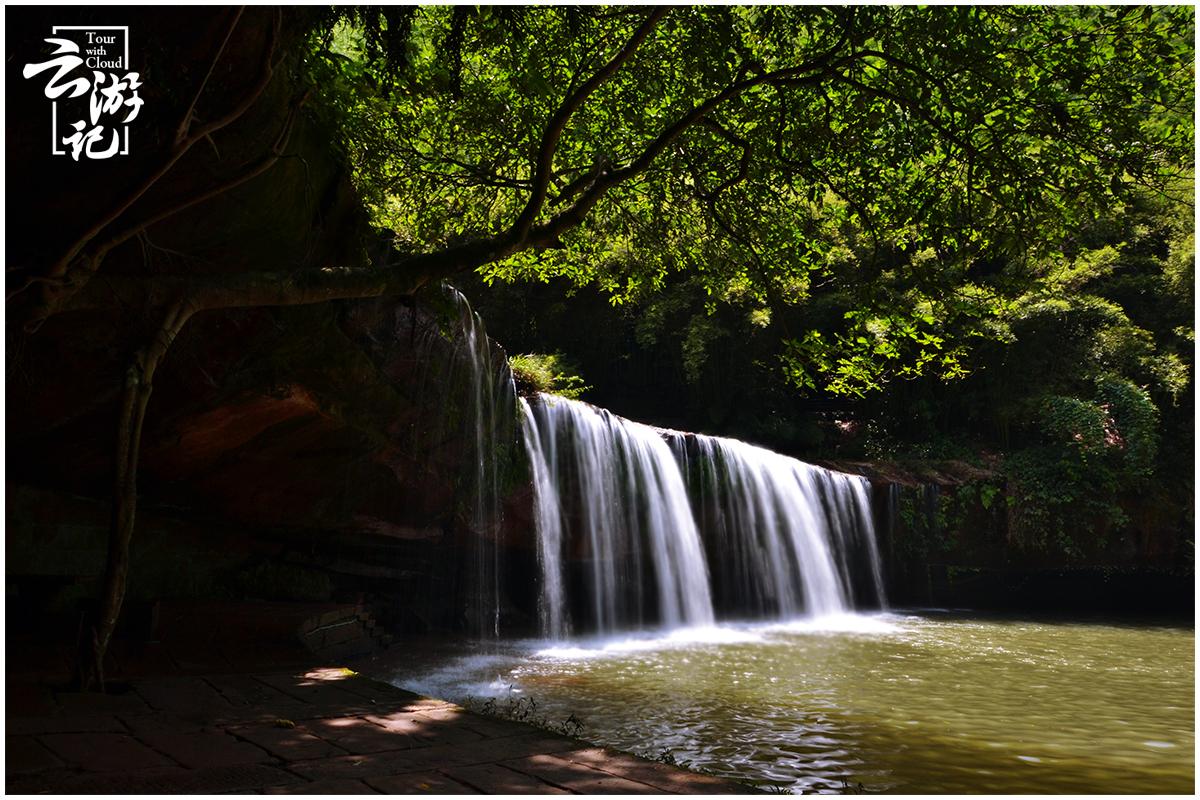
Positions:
{"x": 544, "y": 164}
{"x": 185, "y": 124}
{"x": 253, "y": 170}
{"x": 804, "y": 74}
{"x": 743, "y": 162}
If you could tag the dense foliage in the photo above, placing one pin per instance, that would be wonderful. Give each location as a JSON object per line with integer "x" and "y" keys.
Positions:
{"x": 765, "y": 152}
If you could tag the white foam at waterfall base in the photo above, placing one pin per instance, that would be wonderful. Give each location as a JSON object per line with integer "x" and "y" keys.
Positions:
{"x": 872, "y": 624}
{"x": 876, "y": 624}
{"x": 462, "y": 677}
{"x": 497, "y": 674}
{"x": 693, "y": 637}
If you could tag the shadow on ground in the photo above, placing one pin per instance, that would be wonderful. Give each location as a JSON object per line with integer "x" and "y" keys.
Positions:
{"x": 327, "y": 731}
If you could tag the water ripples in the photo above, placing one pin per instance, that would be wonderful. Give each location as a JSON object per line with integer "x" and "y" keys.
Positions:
{"x": 894, "y": 702}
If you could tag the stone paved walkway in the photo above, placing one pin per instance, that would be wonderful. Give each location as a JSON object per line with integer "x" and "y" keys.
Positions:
{"x": 325, "y": 731}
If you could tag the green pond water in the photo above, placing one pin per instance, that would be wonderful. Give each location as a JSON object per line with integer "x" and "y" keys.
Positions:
{"x": 911, "y": 703}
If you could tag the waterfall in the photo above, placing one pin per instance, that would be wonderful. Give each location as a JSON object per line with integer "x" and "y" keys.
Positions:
{"x": 548, "y": 518}
{"x": 791, "y": 534}
{"x": 783, "y": 537}
{"x": 619, "y": 497}
{"x": 486, "y": 419}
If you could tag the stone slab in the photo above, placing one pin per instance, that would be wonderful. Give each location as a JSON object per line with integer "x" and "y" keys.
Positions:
{"x": 52, "y": 781}
{"x": 378, "y": 692}
{"x": 315, "y": 691}
{"x": 62, "y": 723}
{"x": 578, "y": 777}
{"x": 288, "y": 744}
{"x": 664, "y": 777}
{"x": 81, "y": 704}
{"x": 487, "y": 727}
{"x": 433, "y": 758}
{"x": 183, "y": 696}
{"x": 420, "y": 783}
{"x": 345, "y": 786}
{"x": 423, "y": 731}
{"x": 498, "y": 779}
{"x": 27, "y": 754}
{"x": 358, "y": 735}
{"x": 246, "y": 690}
{"x": 103, "y": 752}
{"x": 206, "y": 749}
{"x": 240, "y": 778}
{"x": 324, "y": 731}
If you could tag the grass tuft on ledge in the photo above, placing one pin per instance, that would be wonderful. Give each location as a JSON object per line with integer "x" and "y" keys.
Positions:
{"x": 550, "y": 373}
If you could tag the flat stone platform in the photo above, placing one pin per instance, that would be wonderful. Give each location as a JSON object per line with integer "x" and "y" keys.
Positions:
{"x": 322, "y": 731}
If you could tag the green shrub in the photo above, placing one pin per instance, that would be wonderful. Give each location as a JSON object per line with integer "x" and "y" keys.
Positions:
{"x": 550, "y": 373}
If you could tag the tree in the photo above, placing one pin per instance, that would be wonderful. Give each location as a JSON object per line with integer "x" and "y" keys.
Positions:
{"x": 835, "y": 144}
{"x": 617, "y": 145}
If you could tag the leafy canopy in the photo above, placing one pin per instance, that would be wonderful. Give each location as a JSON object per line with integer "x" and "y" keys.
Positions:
{"x": 765, "y": 151}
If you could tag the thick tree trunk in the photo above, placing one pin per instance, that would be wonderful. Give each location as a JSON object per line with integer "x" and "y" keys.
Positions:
{"x": 135, "y": 397}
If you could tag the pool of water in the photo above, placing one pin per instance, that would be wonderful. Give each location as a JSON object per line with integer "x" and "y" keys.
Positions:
{"x": 905, "y": 702}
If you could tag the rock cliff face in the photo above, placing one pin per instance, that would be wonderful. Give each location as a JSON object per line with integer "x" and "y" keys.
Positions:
{"x": 330, "y": 435}
{"x": 950, "y": 538}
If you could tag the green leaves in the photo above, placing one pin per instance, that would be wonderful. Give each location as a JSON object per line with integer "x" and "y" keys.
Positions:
{"x": 549, "y": 373}
{"x": 955, "y": 129}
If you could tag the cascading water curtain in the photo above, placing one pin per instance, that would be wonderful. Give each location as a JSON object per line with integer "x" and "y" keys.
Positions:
{"x": 488, "y": 415}
{"x": 766, "y": 511}
{"x": 784, "y": 538}
{"x": 613, "y": 487}
{"x": 552, "y": 616}
{"x": 791, "y": 538}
